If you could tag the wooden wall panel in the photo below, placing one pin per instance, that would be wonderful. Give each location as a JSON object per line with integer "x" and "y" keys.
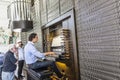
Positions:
{"x": 39, "y": 43}
{"x": 98, "y": 39}
{"x": 65, "y": 5}
{"x": 53, "y": 9}
{"x": 24, "y": 37}
{"x": 37, "y": 12}
{"x": 43, "y": 10}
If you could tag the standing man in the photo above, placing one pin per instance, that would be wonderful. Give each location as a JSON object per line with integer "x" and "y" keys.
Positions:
{"x": 31, "y": 54}
{"x": 9, "y": 63}
{"x": 20, "y": 58}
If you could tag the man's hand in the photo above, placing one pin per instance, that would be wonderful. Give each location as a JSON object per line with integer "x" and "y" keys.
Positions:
{"x": 49, "y": 53}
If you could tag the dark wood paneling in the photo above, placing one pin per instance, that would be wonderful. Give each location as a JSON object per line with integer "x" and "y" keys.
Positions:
{"x": 98, "y": 39}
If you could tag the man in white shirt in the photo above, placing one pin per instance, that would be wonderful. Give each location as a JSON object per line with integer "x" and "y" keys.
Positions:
{"x": 32, "y": 55}
{"x": 20, "y": 58}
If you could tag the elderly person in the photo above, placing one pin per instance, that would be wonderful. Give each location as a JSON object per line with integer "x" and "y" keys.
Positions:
{"x": 9, "y": 63}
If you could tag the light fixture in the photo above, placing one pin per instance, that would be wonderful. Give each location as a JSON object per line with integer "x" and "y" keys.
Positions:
{"x": 22, "y": 25}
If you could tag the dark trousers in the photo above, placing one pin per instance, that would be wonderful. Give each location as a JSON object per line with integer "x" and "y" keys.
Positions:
{"x": 44, "y": 64}
{"x": 20, "y": 67}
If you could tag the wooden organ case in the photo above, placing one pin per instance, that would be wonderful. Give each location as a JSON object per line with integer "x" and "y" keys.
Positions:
{"x": 59, "y": 37}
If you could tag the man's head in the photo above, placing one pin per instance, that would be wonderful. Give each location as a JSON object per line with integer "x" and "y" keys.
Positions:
{"x": 33, "y": 37}
{"x": 19, "y": 43}
{"x": 13, "y": 48}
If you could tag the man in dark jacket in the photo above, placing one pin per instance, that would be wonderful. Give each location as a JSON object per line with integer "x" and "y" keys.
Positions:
{"x": 9, "y": 64}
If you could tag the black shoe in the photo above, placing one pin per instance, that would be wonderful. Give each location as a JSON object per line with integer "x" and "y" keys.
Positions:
{"x": 22, "y": 76}
{"x": 16, "y": 78}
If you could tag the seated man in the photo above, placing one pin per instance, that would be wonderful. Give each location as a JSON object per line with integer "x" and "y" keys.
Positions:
{"x": 31, "y": 54}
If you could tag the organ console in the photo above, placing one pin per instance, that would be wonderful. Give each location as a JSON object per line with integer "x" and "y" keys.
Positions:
{"x": 57, "y": 39}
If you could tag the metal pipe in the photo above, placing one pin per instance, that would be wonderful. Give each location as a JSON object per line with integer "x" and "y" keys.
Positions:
{"x": 26, "y": 10}
{"x": 20, "y": 10}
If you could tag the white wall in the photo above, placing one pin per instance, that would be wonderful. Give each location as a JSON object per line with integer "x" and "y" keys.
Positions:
{"x": 3, "y": 23}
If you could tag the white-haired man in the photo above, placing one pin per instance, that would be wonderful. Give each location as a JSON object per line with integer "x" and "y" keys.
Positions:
{"x": 9, "y": 63}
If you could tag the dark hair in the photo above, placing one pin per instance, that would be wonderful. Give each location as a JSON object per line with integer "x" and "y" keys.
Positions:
{"x": 31, "y": 36}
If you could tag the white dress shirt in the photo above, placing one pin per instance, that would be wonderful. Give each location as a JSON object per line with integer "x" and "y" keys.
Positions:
{"x": 20, "y": 53}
